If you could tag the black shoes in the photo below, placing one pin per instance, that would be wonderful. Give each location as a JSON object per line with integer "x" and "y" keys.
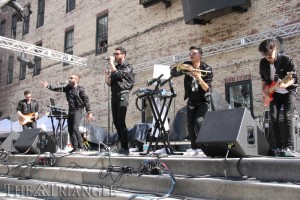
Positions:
{"x": 72, "y": 151}
{"x": 123, "y": 151}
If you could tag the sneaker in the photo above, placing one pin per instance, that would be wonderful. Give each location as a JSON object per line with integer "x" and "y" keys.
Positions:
{"x": 193, "y": 152}
{"x": 134, "y": 150}
{"x": 279, "y": 152}
{"x": 288, "y": 152}
{"x": 72, "y": 151}
{"x": 123, "y": 151}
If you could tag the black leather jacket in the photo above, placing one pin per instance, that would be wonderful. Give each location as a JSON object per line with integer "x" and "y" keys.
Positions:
{"x": 204, "y": 95}
{"x": 122, "y": 79}
{"x": 283, "y": 64}
{"x": 81, "y": 99}
{"x": 22, "y": 106}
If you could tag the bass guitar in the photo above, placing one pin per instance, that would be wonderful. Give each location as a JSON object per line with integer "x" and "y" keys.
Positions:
{"x": 26, "y": 119}
{"x": 270, "y": 89}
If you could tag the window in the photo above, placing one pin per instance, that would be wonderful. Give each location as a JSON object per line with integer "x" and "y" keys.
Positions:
{"x": 10, "y": 69}
{"x": 37, "y": 63}
{"x": 102, "y": 30}
{"x": 40, "y": 13}
{"x": 69, "y": 40}
{"x": 239, "y": 94}
{"x": 22, "y": 74}
{"x": 26, "y": 24}
{"x": 70, "y": 5}
{"x": 2, "y": 28}
{"x": 14, "y": 21}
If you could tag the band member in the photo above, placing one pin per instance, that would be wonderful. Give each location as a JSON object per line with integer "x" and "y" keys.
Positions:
{"x": 197, "y": 91}
{"x": 77, "y": 100}
{"x": 28, "y": 111}
{"x": 120, "y": 78}
{"x": 276, "y": 67}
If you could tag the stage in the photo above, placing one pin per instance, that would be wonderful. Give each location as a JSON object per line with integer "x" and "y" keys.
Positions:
{"x": 196, "y": 176}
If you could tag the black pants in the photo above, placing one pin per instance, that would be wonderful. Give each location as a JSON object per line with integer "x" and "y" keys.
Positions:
{"x": 74, "y": 119}
{"x": 30, "y": 125}
{"x": 287, "y": 101}
{"x": 119, "y": 104}
{"x": 195, "y": 116}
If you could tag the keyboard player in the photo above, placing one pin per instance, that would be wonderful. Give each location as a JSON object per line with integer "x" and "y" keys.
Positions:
{"x": 77, "y": 101}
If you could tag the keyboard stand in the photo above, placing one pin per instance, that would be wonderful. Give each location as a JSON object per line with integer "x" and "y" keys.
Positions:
{"x": 160, "y": 120}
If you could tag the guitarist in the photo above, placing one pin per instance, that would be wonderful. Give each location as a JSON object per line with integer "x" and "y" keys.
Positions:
{"x": 274, "y": 67}
{"x": 28, "y": 111}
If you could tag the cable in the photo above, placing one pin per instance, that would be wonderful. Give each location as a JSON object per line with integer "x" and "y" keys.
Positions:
{"x": 229, "y": 145}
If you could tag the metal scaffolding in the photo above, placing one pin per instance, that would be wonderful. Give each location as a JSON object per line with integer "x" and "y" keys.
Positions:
{"x": 15, "y": 45}
{"x": 283, "y": 32}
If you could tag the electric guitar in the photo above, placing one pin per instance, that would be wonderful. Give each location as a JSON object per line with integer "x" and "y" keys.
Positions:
{"x": 270, "y": 89}
{"x": 27, "y": 119}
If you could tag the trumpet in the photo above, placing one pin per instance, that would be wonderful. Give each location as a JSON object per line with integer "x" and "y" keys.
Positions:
{"x": 185, "y": 69}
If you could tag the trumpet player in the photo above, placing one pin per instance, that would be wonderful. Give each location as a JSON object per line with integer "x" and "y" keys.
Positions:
{"x": 197, "y": 89}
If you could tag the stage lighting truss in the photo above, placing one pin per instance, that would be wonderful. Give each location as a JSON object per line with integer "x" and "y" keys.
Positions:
{"x": 284, "y": 32}
{"x": 23, "y": 47}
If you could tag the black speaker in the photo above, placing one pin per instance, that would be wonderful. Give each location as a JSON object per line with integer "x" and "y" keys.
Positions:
{"x": 233, "y": 128}
{"x": 35, "y": 141}
{"x": 202, "y": 11}
{"x": 8, "y": 143}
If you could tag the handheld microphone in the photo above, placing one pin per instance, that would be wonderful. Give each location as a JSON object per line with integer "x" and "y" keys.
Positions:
{"x": 154, "y": 80}
{"x": 106, "y": 58}
{"x": 62, "y": 83}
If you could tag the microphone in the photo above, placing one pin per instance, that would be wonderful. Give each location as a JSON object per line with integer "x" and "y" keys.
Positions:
{"x": 154, "y": 80}
{"x": 62, "y": 83}
{"x": 106, "y": 58}
{"x": 166, "y": 81}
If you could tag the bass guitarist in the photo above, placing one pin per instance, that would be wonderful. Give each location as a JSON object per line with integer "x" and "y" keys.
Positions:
{"x": 274, "y": 67}
{"x": 28, "y": 111}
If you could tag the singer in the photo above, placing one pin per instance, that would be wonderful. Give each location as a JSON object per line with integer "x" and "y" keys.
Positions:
{"x": 77, "y": 100}
{"x": 197, "y": 91}
{"x": 120, "y": 78}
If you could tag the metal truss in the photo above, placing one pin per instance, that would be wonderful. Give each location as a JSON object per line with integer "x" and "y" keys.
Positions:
{"x": 15, "y": 45}
{"x": 283, "y": 32}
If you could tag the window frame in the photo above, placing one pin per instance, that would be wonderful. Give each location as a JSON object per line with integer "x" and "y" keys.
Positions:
{"x": 22, "y": 74}
{"x": 2, "y": 27}
{"x": 37, "y": 63}
{"x": 40, "y": 13}
{"x": 104, "y": 35}
{"x": 10, "y": 70}
{"x": 250, "y": 95}
{"x": 69, "y": 43}
{"x": 70, "y": 5}
{"x": 14, "y": 20}
{"x": 25, "y": 29}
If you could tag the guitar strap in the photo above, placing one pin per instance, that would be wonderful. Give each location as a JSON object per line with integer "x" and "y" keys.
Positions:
{"x": 278, "y": 63}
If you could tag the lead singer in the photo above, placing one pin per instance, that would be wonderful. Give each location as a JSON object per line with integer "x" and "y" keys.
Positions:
{"x": 197, "y": 91}
{"x": 77, "y": 100}
{"x": 120, "y": 78}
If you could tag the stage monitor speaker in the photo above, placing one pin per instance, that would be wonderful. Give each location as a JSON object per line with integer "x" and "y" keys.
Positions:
{"x": 234, "y": 127}
{"x": 202, "y": 11}
{"x": 35, "y": 141}
{"x": 8, "y": 144}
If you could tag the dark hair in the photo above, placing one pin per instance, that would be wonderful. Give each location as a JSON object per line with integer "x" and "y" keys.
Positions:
{"x": 26, "y": 92}
{"x": 267, "y": 46}
{"x": 197, "y": 48}
{"x": 123, "y": 51}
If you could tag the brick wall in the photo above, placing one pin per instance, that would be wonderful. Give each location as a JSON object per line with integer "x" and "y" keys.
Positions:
{"x": 147, "y": 34}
